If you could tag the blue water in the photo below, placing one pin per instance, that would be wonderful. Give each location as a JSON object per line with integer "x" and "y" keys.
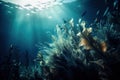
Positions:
{"x": 47, "y": 41}
{"x": 22, "y": 28}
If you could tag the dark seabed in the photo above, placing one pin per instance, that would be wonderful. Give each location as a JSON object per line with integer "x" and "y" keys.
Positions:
{"x": 59, "y": 40}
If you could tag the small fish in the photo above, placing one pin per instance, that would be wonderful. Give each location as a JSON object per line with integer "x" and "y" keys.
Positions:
{"x": 11, "y": 46}
{"x": 83, "y": 14}
{"x": 106, "y": 11}
{"x": 96, "y": 20}
{"x": 116, "y": 4}
{"x": 98, "y": 12}
{"x": 79, "y": 21}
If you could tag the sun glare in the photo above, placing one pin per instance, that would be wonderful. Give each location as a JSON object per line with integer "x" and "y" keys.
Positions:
{"x": 34, "y": 2}
{"x": 40, "y": 4}
{"x": 37, "y": 4}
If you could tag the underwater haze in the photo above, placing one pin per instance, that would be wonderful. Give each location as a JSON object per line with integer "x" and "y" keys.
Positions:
{"x": 59, "y": 39}
{"x": 26, "y": 26}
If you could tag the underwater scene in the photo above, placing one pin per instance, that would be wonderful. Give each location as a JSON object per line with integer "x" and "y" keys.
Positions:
{"x": 59, "y": 40}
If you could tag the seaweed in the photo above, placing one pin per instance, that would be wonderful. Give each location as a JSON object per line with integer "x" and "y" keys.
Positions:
{"x": 88, "y": 53}
{"x": 10, "y": 67}
{"x": 76, "y": 52}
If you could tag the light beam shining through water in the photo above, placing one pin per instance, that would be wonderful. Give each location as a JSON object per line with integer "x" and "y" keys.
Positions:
{"x": 33, "y": 18}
